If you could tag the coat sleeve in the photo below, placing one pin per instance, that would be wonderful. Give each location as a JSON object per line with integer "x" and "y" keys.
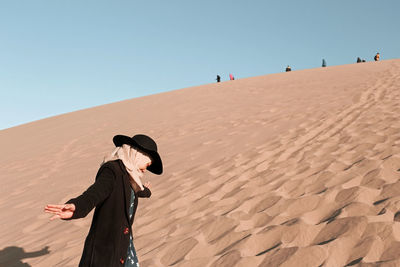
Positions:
{"x": 144, "y": 193}
{"x": 95, "y": 194}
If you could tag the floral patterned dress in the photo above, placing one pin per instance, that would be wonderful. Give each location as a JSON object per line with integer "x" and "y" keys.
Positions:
{"x": 131, "y": 259}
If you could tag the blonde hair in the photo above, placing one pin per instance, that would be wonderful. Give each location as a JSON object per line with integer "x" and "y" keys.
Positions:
{"x": 129, "y": 156}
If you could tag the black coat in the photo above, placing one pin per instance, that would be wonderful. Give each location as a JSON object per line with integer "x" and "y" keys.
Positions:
{"x": 108, "y": 239}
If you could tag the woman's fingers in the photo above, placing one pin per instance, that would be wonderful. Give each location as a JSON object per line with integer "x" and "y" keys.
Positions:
{"x": 63, "y": 211}
{"x": 60, "y": 215}
{"x": 60, "y": 207}
{"x": 52, "y": 212}
{"x": 52, "y": 209}
{"x": 55, "y": 206}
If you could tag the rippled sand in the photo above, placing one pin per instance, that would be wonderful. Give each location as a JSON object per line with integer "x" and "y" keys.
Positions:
{"x": 289, "y": 169}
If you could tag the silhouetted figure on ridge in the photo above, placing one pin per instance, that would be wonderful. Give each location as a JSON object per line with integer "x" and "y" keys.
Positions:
{"x": 359, "y": 60}
{"x": 218, "y": 79}
{"x": 376, "y": 57}
{"x": 288, "y": 68}
{"x": 323, "y": 63}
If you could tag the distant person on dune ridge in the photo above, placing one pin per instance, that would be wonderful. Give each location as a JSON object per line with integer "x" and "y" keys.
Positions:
{"x": 231, "y": 77}
{"x": 376, "y": 57}
{"x": 114, "y": 195}
{"x": 218, "y": 79}
{"x": 359, "y": 60}
{"x": 323, "y": 63}
{"x": 288, "y": 68}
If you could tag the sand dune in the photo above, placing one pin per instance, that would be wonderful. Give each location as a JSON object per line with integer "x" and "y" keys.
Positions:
{"x": 289, "y": 169}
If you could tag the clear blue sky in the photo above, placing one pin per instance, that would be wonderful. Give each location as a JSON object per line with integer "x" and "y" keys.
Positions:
{"x": 60, "y": 56}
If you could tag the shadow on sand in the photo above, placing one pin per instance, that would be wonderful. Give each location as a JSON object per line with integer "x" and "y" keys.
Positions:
{"x": 12, "y": 256}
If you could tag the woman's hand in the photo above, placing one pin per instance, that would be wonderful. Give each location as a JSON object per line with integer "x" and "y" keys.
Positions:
{"x": 62, "y": 211}
{"x": 147, "y": 184}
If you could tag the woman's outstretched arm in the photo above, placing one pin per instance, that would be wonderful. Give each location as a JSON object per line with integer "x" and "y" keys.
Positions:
{"x": 80, "y": 206}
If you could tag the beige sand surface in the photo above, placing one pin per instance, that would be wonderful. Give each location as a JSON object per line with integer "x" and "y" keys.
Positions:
{"x": 289, "y": 169}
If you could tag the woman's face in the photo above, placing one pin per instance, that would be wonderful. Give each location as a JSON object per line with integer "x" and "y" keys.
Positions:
{"x": 144, "y": 161}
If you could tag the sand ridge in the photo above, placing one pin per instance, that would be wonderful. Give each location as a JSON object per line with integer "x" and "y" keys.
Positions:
{"x": 289, "y": 169}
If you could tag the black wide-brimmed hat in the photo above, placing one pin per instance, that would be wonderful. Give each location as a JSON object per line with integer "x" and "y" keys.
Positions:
{"x": 145, "y": 144}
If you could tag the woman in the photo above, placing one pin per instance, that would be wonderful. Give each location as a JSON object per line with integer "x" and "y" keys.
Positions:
{"x": 115, "y": 195}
